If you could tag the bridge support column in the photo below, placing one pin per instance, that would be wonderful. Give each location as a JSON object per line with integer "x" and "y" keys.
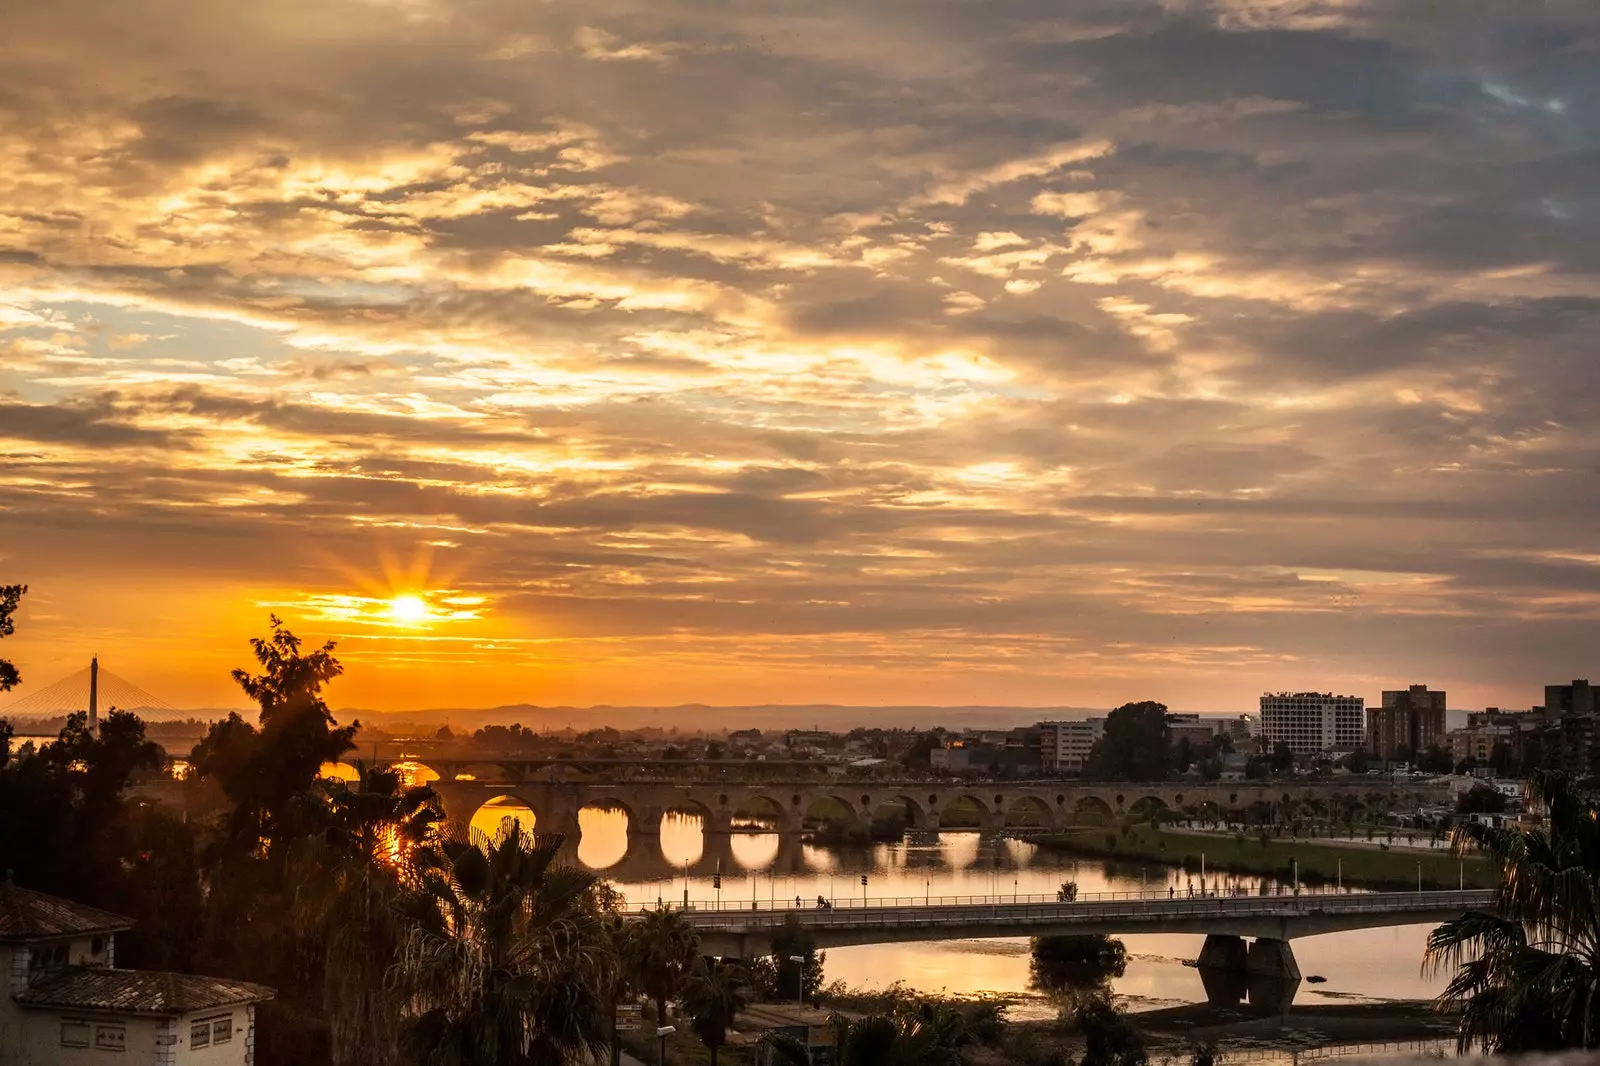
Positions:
{"x": 564, "y": 822}
{"x": 1272, "y": 958}
{"x": 716, "y": 822}
{"x": 1222, "y": 952}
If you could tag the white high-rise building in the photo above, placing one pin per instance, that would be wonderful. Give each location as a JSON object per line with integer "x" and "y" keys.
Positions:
{"x": 1064, "y": 746}
{"x": 1312, "y": 722}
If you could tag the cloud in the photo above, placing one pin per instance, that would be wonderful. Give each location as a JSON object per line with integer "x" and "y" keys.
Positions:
{"x": 1041, "y": 352}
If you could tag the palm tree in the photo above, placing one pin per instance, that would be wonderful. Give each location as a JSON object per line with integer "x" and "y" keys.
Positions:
{"x": 508, "y": 960}
{"x": 347, "y": 898}
{"x": 1527, "y": 975}
{"x": 662, "y": 950}
{"x": 712, "y": 996}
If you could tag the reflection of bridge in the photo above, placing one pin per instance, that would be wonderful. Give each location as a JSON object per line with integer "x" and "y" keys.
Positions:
{"x": 1272, "y": 920}
{"x": 786, "y": 806}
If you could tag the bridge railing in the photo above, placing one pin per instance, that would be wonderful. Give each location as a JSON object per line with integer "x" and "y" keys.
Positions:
{"x": 844, "y": 902}
{"x": 1089, "y": 905}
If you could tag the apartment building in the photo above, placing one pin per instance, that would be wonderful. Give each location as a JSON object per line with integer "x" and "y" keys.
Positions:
{"x": 1411, "y": 720}
{"x": 1312, "y": 722}
{"x": 1065, "y": 746}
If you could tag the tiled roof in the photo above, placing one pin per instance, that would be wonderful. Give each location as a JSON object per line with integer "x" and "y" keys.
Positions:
{"x": 29, "y": 915}
{"x": 138, "y": 991}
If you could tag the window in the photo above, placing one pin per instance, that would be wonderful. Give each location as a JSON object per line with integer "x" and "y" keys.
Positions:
{"x": 74, "y": 1034}
{"x": 111, "y": 1037}
{"x": 200, "y": 1034}
{"x": 222, "y": 1030}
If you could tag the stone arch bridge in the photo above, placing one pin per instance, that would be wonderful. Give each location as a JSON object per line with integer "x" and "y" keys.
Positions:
{"x": 919, "y": 804}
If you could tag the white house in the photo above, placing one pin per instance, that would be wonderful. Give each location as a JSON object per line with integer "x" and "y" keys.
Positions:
{"x": 65, "y": 1004}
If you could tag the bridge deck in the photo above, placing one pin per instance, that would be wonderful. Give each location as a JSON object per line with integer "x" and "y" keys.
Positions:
{"x": 1279, "y": 917}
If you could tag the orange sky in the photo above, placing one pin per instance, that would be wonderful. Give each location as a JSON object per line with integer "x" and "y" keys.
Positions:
{"x": 906, "y": 352}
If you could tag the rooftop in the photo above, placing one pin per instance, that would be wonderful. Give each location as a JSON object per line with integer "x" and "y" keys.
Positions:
{"x": 28, "y": 915}
{"x": 138, "y": 991}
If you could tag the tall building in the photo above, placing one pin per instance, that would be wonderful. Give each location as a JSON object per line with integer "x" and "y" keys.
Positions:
{"x": 1065, "y": 745}
{"x": 1312, "y": 722}
{"x": 1200, "y": 731}
{"x": 1410, "y": 721}
{"x": 1576, "y": 698}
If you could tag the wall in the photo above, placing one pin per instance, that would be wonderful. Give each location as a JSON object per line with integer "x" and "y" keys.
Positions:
{"x": 231, "y": 1053}
{"x": 42, "y": 1043}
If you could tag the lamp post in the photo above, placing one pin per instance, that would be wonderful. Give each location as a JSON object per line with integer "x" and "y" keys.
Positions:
{"x": 662, "y": 1032}
{"x": 1419, "y": 875}
{"x": 799, "y": 984}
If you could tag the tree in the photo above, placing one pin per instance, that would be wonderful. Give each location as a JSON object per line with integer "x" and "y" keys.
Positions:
{"x": 348, "y": 897}
{"x": 1108, "y": 1038}
{"x": 1500, "y": 760}
{"x": 1435, "y": 760}
{"x": 1356, "y": 762}
{"x": 1136, "y": 745}
{"x": 662, "y": 952}
{"x": 263, "y": 770}
{"x": 1182, "y": 755}
{"x": 10, "y": 596}
{"x": 1481, "y": 799}
{"x": 713, "y": 995}
{"x": 1526, "y": 971}
{"x": 506, "y": 957}
{"x": 1466, "y": 766}
{"x": 1067, "y": 963}
{"x": 791, "y": 940}
{"x": 1282, "y": 758}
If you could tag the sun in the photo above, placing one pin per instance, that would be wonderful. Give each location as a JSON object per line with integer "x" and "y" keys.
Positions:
{"x": 408, "y": 610}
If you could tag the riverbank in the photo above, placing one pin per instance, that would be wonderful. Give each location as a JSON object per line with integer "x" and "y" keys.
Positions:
{"x": 1320, "y": 862}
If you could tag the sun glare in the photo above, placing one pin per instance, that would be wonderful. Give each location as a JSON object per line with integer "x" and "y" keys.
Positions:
{"x": 408, "y": 610}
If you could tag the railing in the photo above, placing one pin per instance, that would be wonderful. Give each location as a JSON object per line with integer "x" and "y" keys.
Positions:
{"x": 955, "y": 909}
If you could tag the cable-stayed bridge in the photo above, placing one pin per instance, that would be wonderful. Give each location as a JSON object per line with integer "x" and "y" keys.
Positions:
{"x": 93, "y": 689}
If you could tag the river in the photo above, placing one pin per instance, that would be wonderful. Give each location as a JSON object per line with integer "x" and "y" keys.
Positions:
{"x": 1365, "y": 966}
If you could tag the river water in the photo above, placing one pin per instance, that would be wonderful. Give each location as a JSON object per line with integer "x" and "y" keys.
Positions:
{"x": 1363, "y": 966}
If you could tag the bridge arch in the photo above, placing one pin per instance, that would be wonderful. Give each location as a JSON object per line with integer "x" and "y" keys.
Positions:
{"x": 483, "y": 771}
{"x": 495, "y": 815}
{"x": 1028, "y": 811}
{"x": 762, "y": 807}
{"x": 823, "y": 807}
{"x": 900, "y": 807}
{"x": 1145, "y": 806}
{"x": 966, "y": 810}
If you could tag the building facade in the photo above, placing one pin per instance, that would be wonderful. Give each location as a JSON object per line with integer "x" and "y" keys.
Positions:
{"x": 66, "y": 1004}
{"x": 1065, "y": 746}
{"x": 1410, "y": 721}
{"x": 1313, "y": 722}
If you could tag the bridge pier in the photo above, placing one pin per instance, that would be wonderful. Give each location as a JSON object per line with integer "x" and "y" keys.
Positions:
{"x": 1272, "y": 958}
{"x": 1223, "y": 952}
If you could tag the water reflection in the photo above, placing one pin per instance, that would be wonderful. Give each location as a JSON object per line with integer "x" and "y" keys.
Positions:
{"x": 1366, "y": 965}
{"x": 496, "y": 816}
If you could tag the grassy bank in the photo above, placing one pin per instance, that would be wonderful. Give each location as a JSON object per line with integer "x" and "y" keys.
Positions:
{"x": 1320, "y": 863}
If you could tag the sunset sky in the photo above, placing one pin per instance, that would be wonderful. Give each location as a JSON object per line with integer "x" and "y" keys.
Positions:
{"x": 863, "y": 351}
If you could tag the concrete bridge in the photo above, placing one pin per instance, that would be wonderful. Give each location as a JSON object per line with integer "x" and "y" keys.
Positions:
{"x": 788, "y": 807}
{"x": 1272, "y": 921}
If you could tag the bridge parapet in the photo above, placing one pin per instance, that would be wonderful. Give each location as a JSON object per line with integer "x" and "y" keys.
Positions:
{"x": 1274, "y": 918}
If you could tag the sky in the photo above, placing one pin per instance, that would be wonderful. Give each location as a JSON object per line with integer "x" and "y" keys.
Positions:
{"x": 1035, "y": 352}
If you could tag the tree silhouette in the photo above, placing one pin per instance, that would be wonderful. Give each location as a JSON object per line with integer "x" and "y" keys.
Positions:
{"x": 1136, "y": 745}
{"x": 10, "y": 596}
{"x": 263, "y": 770}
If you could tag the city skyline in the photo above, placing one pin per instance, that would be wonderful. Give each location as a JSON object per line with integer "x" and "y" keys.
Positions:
{"x": 609, "y": 353}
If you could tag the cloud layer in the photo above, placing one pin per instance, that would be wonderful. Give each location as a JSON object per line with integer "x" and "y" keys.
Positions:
{"x": 919, "y": 352}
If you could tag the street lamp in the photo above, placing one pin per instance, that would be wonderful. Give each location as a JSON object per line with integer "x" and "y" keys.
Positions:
{"x": 662, "y": 1032}
{"x": 799, "y": 984}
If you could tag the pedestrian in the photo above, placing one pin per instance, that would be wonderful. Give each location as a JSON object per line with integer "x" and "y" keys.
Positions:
{"x": 1171, "y": 891}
